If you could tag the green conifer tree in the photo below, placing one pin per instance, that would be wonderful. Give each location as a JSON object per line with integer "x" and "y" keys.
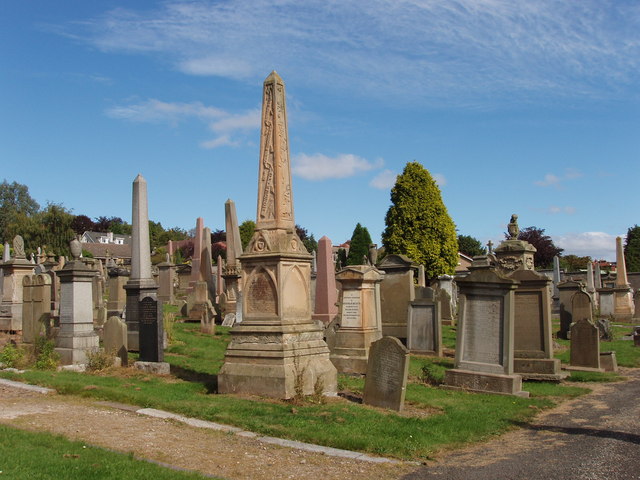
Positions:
{"x": 632, "y": 249}
{"x": 359, "y": 246}
{"x": 418, "y": 224}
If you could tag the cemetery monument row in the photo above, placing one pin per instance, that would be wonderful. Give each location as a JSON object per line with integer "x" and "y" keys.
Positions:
{"x": 278, "y": 345}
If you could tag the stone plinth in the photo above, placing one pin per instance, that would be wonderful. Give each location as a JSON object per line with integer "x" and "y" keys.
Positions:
{"x": 424, "y": 330}
{"x": 76, "y": 336}
{"x": 515, "y": 255}
{"x": 566, "y": 290}
{"x": 36, "y": 310}
{"x": 277, "y": 349}
{"x": 533, "y": 345}
{"x": 386, "y": 382}
{"x": 485, "y": 341}
{"x": 396, "y": 292}
{"x": 359, "y": 319}
{"x": 13, "y": 271}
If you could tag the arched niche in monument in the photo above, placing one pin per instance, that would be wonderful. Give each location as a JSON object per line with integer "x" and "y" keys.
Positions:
{"x": 262, "y": 294}
{"x": 295, "y": 293}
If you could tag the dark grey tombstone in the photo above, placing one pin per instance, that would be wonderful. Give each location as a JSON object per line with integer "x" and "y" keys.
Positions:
{"x": 151, "y": 337}
{"x": 585, "y": 344}
{"x": 387, "y": 370}
{"x": 424, "y": 328}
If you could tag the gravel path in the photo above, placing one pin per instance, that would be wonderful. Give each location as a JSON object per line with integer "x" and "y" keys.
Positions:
{"x": 594, "y": 437}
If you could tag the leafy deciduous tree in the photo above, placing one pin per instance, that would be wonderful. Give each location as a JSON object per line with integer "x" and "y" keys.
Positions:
{"x": 246, "y": 232}
{"x": 470, "y": 246}
{"x": 573, "y": 263}
{"x": 632, "y": 249}
{"x": 418, "y": 224}
{"x": 14, "y": 200}
{"x": 546, "y": 250}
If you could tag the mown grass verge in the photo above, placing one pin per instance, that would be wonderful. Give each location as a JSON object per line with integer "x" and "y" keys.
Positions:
{"x": 43, "y": 456}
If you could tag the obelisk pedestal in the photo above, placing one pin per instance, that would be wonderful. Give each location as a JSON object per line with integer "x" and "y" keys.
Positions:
{"x": 13, "y": 271}
{"x": 622, "y": 294}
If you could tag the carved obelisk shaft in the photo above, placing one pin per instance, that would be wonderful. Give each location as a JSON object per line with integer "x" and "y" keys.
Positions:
{"x": 275, "y": 205}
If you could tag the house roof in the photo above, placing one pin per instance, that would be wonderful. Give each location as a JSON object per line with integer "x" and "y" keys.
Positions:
{"x": 106, "y": 250}
{"x": 93, "y": 237}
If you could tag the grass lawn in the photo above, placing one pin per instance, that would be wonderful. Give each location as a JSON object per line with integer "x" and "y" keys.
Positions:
{"x": 36, "y": 456}
{"x": 434, "y": 418}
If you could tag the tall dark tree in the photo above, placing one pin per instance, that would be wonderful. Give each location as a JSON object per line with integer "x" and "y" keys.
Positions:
{"x": 470, "y": 246}
{"x": 81, "y": 224}
{"x": 418, "y": 224}
{"x": 359, "y": 245}
{"x": 632, "y": 249}
{"x": 546, "y": 250}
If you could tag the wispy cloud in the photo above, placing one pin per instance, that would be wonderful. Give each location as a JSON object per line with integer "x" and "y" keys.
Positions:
{"x": 467, "y": 51}
{"x": 219, "y": 121}
{"x": 554, "y": 209}
{"x": 552, "y": 180}
{"x": 322, "y": 167}
{"x": 384, "y": 180}
{"x": 440, "y": 179}
{"x": 597, "y": 245}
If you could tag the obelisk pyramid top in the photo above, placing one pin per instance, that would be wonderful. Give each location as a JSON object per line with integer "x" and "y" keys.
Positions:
{"x": 275, "y": 203}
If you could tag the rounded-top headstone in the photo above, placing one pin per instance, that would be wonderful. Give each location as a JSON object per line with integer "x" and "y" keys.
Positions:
{"x": 76, "y": 249}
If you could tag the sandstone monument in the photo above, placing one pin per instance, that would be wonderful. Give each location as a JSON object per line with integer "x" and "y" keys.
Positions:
{"x": 277, "y": 347}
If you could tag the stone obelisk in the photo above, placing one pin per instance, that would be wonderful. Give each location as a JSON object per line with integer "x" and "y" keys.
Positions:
{"x": 141, "y": 285}
{"x": 277, "y": 349}
{"x": 623, "y": 299}
{"x": 231, "y": 272}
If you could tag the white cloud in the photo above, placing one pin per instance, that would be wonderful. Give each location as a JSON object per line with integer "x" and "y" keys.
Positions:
{"x": 385, "y": 180}
{"x": 467, "y": 51}
{"x": 597, "y": 245}
{"x": 568, "y": 210}
{"x": 440, "y": 179}
{"x": 549, "y": 180}
{"x": 219, "y": 121}
{"x": 322, "y": 167}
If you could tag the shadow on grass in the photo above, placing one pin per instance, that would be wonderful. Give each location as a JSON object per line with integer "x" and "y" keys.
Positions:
{"x": 209, "y": 381}
{"x": 350, "y": 396}
{"x": 590, "y": 432}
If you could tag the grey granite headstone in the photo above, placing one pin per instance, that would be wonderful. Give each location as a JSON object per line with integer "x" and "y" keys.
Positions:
{"x": 424, "y": 329}
{"x": 387, "y": 370}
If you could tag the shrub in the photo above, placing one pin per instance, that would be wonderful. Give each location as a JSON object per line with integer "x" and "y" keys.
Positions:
{"x": 45, "y": 354}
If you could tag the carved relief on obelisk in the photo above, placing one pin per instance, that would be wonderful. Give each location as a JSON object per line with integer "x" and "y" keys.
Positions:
{"x": 275, "y": 206}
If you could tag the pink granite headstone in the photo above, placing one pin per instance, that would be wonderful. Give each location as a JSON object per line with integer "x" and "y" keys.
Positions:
{"x": 326, "y": 293}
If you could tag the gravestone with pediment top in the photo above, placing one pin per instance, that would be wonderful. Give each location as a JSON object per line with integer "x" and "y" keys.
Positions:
{"x": 484, "y": 344}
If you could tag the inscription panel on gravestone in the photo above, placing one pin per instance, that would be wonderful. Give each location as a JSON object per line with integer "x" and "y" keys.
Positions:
{"x": 261, "y": 295}
{"x": 351, "y": 309}
{"x": 528, "y": 329}
{"x": 483, "y": 329}
{"x": 148, "y": 313}
{"x": 421, "y": 328}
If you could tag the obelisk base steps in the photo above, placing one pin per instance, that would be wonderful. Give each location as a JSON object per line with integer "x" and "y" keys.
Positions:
{"x": 456, "y": 379}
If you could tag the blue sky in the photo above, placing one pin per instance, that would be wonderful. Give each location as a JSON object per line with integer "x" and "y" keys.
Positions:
{"x": 513, "y": 106}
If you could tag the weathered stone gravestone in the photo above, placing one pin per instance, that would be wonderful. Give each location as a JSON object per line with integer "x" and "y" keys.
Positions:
{"x": 484, "y": 346}
{"x": 566, "y": 290}
{"x": 585, "y": 336}
{"x": 76, "y": 336}
{"x": 36, "y": 309}
{"x": 232, "y": 268}
{"x": 533, "y": 345}
{"x": 117, "y": 298}
{"x": 446, "y": 311}
{"x": 13, "y": 271}
{"x": 623, "y": 298}
{"x": 326, "y": 295}
{"x": 359, "y": 319}
{"x": 396, "y": 291}
{"x": 166, "y": 278}
{"x": 278, "y": 349}
{"x": 115, "y": 339}
{"x": 386, "y": 381}
{"x": 636, "y": 301}
{"x": 424, "y": 329}
{"x": 606, "y": 297}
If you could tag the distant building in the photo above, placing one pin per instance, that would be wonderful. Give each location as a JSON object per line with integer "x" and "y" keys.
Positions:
{"x": 105, "y": 245}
